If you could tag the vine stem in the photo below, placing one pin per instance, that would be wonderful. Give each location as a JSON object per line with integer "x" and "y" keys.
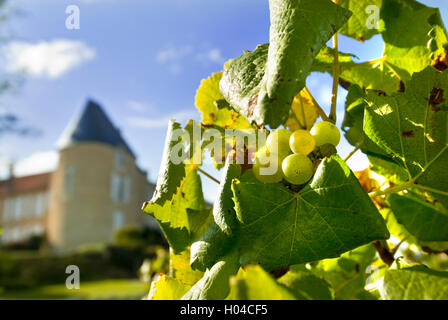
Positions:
{"x": 424, "y": 188}
{"x": 353, "y": 152}
{"x": 319, "y": 109}
{"x": 394, "y": 189}
{"x": 336, "y": 70}
{"x": 208, "y": 175}
{"x": 384, "y": 252}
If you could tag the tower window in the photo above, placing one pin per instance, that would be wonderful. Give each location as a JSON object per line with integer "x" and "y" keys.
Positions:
{"x": 18, "y": 208}
{"x": 120, "y": 158}
{"x": 39, "y": 209}
{"x": 118, "y": 220}
{"x": 120, "y": 188}
{"x": 7, "y": 209}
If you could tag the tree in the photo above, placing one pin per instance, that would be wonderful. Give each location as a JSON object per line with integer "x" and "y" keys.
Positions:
{"x": 328, "y": 238}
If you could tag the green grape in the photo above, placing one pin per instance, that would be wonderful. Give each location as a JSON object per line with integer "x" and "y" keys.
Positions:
{"x": 325, "y": 132}
{"x": 278, "y": 142}
{"x": 432, "y": 45}
{"x": 432, "y": 56}
{"x": 301, "y": 141}
{"x": 297, "y": 168}
{"x": 267, "y": 167}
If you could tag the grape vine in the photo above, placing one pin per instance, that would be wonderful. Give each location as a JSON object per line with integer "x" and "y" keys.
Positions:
{"x": 291, "y": 220}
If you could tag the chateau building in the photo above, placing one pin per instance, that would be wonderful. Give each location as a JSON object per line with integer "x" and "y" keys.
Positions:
{"x": 96, "y": 189}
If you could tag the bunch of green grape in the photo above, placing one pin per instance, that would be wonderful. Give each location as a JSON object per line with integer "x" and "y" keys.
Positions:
{"x": 288, "y": 155}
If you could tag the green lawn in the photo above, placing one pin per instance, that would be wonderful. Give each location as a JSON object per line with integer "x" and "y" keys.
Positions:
{"x": 105, "y": 289}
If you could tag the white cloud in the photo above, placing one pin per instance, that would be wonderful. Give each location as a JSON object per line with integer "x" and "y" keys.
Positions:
{"x": 161, "y": 122}
{"x": 212, "y": 55}
{"x": 49, "y": 59}
{"x": 174, "y": 57}
{"x": 139, "y": 106}
{"x": 37, "y": 163}
{"x": 173, "y": 54}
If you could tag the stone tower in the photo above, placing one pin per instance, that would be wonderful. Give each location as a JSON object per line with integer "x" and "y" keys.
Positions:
{"x": 97, "y": 187}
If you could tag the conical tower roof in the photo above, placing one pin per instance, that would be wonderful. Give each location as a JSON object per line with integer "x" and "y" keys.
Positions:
{"x": 92, "y": 125}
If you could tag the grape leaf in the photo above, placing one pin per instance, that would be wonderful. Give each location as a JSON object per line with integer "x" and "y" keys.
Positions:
{"x": 263, "y": 92}
{"x": 167, "y": 288}
{"x": 411, "y": 126}
{"x": 281, "y": 228}
{"x": 388, "y": 169}
{"x": 253, "y": 283}
{"x": 353, "y": 126}
{"x": 422, "y": 219}
{"x": 223, "y": 208}
{"x": 174, "y": 217}
{"x": 357, "y": 26}
{"x": 382, "y": 76}
{"x": 405, "y": 50}
{"x": 209, "y": 101}
{"x": 354, "y": 122}
{"x": 298, "y": 31}
{"x": 405, "y": 43}
{"x": 377, "y": 74}
{"x": 214, "y": 285}
{"x": 347, "y": 274}
{"x": 305, "y": 285}
{"x": 218, "y": 237}
{"x": 415, "y": 283}
{"x": 241, "y": 80}
{"x": 395, "y": 228}
{"x": 170, "y": 174}
{"x": 303, "y": 112}
{"x": 323, "y": 62}
{"x": 181, "y": 270}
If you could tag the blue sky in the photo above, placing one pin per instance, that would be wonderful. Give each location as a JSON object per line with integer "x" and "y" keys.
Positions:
{"x": 142, "y": 60}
